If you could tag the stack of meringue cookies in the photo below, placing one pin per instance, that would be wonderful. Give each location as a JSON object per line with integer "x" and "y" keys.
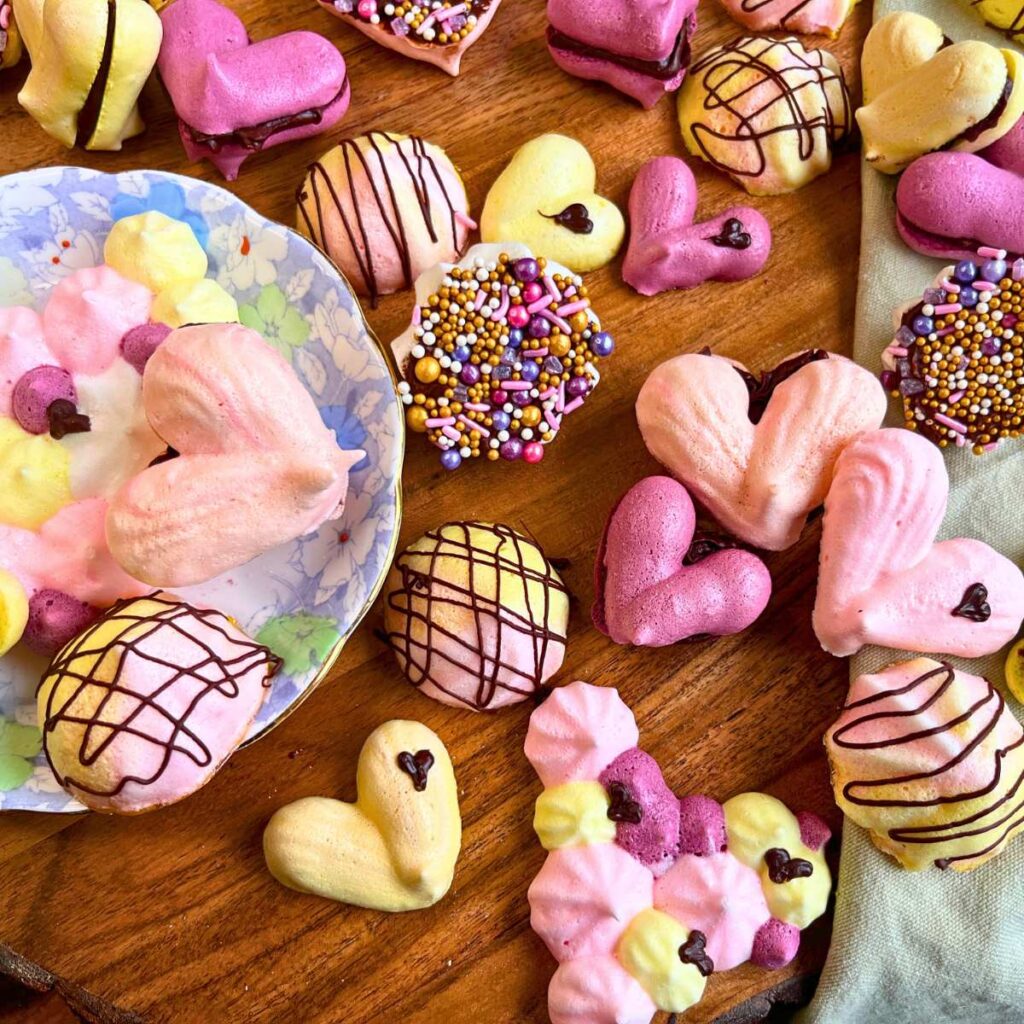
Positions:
{"x": 132, "y": 407}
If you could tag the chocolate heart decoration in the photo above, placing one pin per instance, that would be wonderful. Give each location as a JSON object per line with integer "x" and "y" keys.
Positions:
{"x": 668, "y": 250}
{"x": 884, "y": 580}
{"x": 650, "y": 590}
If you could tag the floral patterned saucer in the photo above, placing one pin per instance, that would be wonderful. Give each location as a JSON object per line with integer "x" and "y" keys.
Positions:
{"x": 302, "y": 599}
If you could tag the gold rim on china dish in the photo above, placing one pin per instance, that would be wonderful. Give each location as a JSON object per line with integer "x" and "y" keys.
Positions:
{"x": 335, "y": 653}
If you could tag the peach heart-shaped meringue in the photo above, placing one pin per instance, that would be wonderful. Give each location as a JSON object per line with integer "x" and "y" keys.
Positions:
{"x": 255, "y": 465}
{"x": 758, "y": 454}
{"x": 654, "y": 586}
{"x": 668, "y": 250}
{"x": 883, "y": 580}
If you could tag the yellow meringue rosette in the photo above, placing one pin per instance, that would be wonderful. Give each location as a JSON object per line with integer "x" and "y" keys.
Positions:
{"x": 156, "y": 251}
{"x": 573, "y": 814}
{"x": 650, "y": 951}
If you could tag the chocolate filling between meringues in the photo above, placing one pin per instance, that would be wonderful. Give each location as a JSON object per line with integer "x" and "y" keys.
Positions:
{"x": 677, "y": 60}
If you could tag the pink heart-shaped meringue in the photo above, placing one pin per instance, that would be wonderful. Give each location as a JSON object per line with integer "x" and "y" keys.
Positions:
{"x": 758, "y": 454}
{"x": 255, "y": 465}
{"x": 668, "y": 250}
{"x": 654, "y": 586}
{"x": 883, "y": 580}
{"x": 234, "y": 97}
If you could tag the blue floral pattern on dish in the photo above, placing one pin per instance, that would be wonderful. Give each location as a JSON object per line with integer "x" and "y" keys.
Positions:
{"x": 55, "y": 220}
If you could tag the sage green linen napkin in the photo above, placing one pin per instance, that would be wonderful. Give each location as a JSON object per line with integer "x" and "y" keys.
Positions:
{"x": 930, "y": 947}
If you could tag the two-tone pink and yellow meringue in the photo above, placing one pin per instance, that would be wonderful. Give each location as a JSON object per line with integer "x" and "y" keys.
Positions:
{"x": 145, "y": 705}
{"x": 930, "y": 760}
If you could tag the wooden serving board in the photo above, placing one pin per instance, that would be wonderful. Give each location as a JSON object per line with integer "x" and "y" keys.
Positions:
{"x": 174, "y": 914}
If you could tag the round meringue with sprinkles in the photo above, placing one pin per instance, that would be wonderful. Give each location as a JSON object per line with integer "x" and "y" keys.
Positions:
{"x": 957, "y": 359}
{"x": 502, "y": 348}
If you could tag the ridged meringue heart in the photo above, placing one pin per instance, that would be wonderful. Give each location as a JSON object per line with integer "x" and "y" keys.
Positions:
{"x": 256, "y": 467}
{"x": 883, "y": 580}
{"x": 757, "y": 454}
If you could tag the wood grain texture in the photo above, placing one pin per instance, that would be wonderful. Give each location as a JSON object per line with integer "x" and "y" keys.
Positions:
{"x": 174, "y": 914}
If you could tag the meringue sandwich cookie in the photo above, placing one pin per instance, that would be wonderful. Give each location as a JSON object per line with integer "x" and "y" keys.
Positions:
{"x": 144, "y": 706}
{"x": 963, "y": 97}
{"x": 640, "y": 48}
{"x": 435, "y": 35}
{"x": 396, "y": 847}
{"x": 930, "y": 761}
{"x": 955, "y": 359}
{"x": 767, "y": 112}
{"x": 951, "y": 204}
{"x": 90, "y": 60}
{"x": 476, "y": 615}
{"x": 233, "y": 97}
{"x": 546, "y": 199}
{"x": 758, "y": 453}
{"x": 385, "y": 208}
{"x": 806, "y": 17}
{"x": 884, "y": 580}
{"x": 242, "y": 423}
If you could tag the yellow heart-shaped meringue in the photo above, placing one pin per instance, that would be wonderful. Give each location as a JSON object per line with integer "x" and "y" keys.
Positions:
{"x": 395, "y": 848}
{"x": 545, "y": 199}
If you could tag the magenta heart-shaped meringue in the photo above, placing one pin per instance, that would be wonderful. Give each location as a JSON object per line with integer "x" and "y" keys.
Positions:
{"x": 234, "y": 97}
{"x": 668, "y": 250}
{"x": 655, "y": 586}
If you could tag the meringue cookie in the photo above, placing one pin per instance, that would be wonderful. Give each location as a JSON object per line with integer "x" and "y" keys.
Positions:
{"x": 155, "y": 250}
{"x": 883, "y": 580}
{"x": 475, "y": 615}
{"x": 385, "y": 207}
{"x": 145, "y": 706}
{"x": 13, "y": 610}
{"x": 546, "y": 199}
{"x": 207, "y": 392}
{"x": 806, "y": 17}
{"x": 1005, "y": 15}
{"x": 183, "y": 303}
{"x": 930, "y": 760}
{"x": 962, "y": 97}
{"x": 396, "y": 847}
{"x": 767, "y": 112}
{"x": 90, "y": 60}
{"x": 758, "y": 468}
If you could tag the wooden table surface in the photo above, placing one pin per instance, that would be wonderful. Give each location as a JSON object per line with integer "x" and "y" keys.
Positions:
{"x": 174, "y": 913}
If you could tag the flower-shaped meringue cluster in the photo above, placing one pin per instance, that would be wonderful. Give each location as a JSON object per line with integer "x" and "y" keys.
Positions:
{"x": 72, "y": 425}
{"x": 644, "y": 894}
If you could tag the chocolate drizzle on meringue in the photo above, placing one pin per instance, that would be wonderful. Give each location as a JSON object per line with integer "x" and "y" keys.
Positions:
{"x": 64, "y": 418}
{"x": 622, "y": 806}
{"x": 762, "y": 388}
{"x": 575, "y": 218}
{"x": 693, "y": 951}
{"x": 974, "y": 604}
{"x": 916, "y": 699}
{"x": 784, "y": 868}
{"x": 416, "y": 766}
{"x": 421, "y": 169}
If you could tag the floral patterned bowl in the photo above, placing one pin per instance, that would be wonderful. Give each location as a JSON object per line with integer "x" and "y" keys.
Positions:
{"x": 302, "y": 599}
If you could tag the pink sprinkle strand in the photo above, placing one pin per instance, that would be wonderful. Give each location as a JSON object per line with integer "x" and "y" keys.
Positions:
{"x": 499, "y": 313}
{"x": 439, "y": 421}
{"x": 476, "y": 406}
{"x": 541, "y": 303}
{"x": 472, "y": 425}
{"x": 560, "y": 400}
{"x": 481, "y": 298}
{"x": 549, "y": 283}
{"x": 550, "y": 417}
{"x": 572, "y": 406}
{"x": 573, "y": 307}
{"x": 417, "y": 317}
{"x": 947, "y": 421}
{"x": 949, "y": 307}
{"x": 992, "y": 254}
{"x": 563, "y": 325}
{"x": 985, "y": 286}
{"x": 516, "y": 385}
{"x": 450, "y": 12}
{"x": 452, "y": 433}
{"x": 951, "y": 286}
{"x": 534, "y": 353}
{"x": 955, "y": 397}
{"x": 896, "y": 350}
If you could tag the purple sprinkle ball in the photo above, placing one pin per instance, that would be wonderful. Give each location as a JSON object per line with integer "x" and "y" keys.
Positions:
{"x": 36, "y": 391}
{"x": 701, "y": 826}
{"x": 526, "y": 270}
{"x": 54, "y": 618}
{"x": 139, "y": 344}
{"x": 577, "y": 386}
{"x": 511, "y": 449}
{"x": 775, "y": 944}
